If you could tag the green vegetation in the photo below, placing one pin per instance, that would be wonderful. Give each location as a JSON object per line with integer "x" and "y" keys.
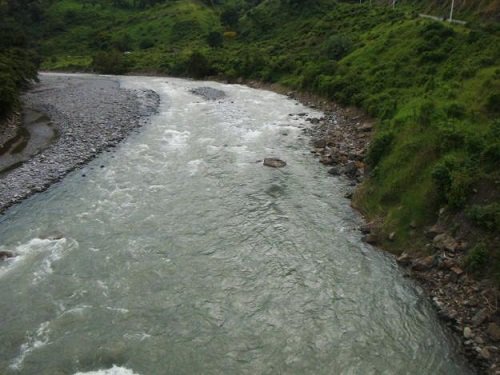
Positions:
{"x": 18, "y": 62}
{"x": 434, "y": 87}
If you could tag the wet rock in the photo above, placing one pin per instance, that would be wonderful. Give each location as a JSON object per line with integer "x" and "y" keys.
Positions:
{"x": 366, "y": 228}
{"x": 350, "y": 169}
{"x": 370, "y": 238}
{"x": 493, "y": 331}
{"x": 335, "y": 171}
{"x": 209, "y": 93}
{"x": 274, "y": 163}
{"x": 6, "y": 255}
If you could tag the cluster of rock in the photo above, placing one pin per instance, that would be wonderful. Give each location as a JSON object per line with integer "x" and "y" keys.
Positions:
{"x": 90, "y": 116}
{"x": 208, "y": 93}
{"x": 468, "y": 306}
{"x": 340, "y": 141}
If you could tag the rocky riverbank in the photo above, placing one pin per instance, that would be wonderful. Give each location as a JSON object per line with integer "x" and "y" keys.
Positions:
{"x": 90, "y": 115}
{"x": 340, "y": 140}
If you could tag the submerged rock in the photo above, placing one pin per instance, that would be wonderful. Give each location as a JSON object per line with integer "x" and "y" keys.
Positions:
{"x": 6, "y": 255}
{"x": 274, "y": 163}
{"x": 209, "y": 93}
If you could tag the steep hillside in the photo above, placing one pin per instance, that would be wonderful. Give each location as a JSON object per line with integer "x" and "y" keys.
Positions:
{"x": 18, "y": 62}
{"x": 433, "y": 86}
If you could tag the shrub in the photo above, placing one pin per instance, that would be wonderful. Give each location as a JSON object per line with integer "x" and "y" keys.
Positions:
{"x": 426, "y": 112}
{"x": 477, "y": 258}
{"x": 146, "y": 43}
{"x": 455, "y": 110}
{"x": 380, "y": 147}
{"x": 215, "y": 39}
{"x": 112, "y": 62}
{"x": 197, "y": 65}
{"x": 493, "y": 103}
{"x": 338, "y": 46}
{"x": 454, "y": 179}
{"x": 487, "y": 217}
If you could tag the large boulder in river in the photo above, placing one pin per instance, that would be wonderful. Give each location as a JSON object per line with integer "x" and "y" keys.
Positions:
{"x": 274, "y": 162}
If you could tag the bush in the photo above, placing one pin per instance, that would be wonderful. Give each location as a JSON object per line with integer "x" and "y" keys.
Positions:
{"x": 426, "y": 113}
{"x": 338, "y": 46}
{"x": 112, "y": 62}
{"x": 454, "y": 179}
{"x": 380, "y": 147}
{"x": 487, "y": 217}
{"x": 197, "y": 65}
{"x": 477, "y": 258}
{"x": 493, "y": 103}
{"x": 215, "y": 39}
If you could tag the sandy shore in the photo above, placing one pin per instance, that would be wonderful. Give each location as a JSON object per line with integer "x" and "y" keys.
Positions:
{"x": 89, "y": 114}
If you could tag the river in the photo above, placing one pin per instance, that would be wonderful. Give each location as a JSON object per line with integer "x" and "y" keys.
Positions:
{"x": 180, "y": 253}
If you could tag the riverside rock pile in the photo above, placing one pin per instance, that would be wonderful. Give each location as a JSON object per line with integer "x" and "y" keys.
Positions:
{"x": 89, "y": 114}
{"x": 340, "y": 138}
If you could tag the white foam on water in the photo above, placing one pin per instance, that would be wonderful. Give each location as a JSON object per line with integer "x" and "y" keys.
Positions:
{"x": 33, "y": 250}
{"x": 36, "y": 340}
{"x": 194, "y": 166}
{"x": 176, "y": 139}
{"x": 115, "y": 370}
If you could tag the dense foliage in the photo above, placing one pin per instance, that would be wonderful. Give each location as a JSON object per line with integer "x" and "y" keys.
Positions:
{"x": 433, "y": 86}
{"x": 18, "y": 63}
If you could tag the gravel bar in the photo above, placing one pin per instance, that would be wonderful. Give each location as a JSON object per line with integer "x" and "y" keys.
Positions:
{"x": 90, "y": 115}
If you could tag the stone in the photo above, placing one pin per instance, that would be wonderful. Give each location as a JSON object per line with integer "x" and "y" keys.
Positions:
{"x": 370, "y": 239}
{"x": 444, "y": 241}
{"x": 274, "y": 163}
{"x": 350, "y": 169}
{"x": 391, "y": 236}
{"x": 327, "y": 160}
{"x": 479, "y": 340}
{"x": 468, "y": 333}
{"x": 493, "y": 331}
{"x": 366, "y": 228}
{"x": 319, "y": 143}
{"x": 485, "y": 353}
{"x": 366, "y": 127}
{"x": 423, "y": 264}
{"x": 435, "y": 230}
{"x": 335, "y": 171}
{"x": 457, "y": 271}
{"x": 404, "y": 259}
{"x": 480, "y": 317}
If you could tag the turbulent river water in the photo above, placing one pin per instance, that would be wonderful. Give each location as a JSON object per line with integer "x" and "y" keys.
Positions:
{"x": 179, "y": 253}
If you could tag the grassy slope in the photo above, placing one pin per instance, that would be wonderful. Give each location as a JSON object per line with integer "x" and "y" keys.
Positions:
{"x": 434, "y": 88}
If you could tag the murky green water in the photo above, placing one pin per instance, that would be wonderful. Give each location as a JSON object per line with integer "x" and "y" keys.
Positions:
{"x": 182, "y": 255}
